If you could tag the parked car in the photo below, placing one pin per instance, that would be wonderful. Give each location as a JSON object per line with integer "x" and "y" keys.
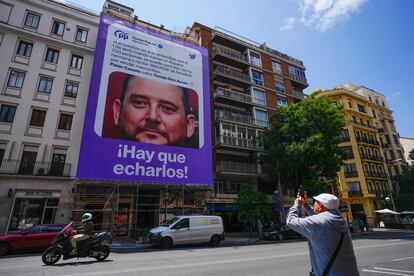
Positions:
{"x": 38, "y": 237}
{"x": 188, "y": 230}
{"x": 280, "y": 232}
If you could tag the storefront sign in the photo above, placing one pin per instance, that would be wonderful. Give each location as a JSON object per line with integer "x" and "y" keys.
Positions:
{"x": 148, "y": 112}
{"x": 37, "y": 194}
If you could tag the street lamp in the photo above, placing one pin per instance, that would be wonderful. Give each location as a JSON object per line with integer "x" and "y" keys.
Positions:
{"x": 391, "y": 188}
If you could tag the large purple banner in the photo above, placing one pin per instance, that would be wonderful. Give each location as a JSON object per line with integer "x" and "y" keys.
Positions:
{"x": 148, "y": 112}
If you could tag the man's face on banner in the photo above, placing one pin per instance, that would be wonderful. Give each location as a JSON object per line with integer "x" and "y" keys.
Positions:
{"x": 153, "y": 112}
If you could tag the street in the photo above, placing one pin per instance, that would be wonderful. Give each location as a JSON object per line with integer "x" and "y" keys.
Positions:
{"x": 378, "y": 253}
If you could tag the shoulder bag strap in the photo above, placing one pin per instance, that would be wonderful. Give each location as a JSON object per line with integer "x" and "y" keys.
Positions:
{"x": 332, "y": 260}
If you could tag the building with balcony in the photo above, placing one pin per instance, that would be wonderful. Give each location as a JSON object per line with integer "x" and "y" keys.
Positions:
{"x": 408, "y": 145}
{"x": 362, "y": 183}
{"x": 248, "y": 82}
{"x": 392, "y": 149}
{"x": 47, "y": 49}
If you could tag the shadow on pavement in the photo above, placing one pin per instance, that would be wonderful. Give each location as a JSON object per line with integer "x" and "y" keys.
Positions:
{"x": 79, "y": 263}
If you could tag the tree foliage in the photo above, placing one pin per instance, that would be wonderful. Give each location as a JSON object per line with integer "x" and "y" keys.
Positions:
{"x": 251, "y": 205}
{"x": 404, "y": 200}
{"x": 411, "y": 155}
{"x": 303, "y": 140}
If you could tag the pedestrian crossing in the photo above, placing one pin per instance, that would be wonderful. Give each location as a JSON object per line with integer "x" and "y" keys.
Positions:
{"x": 389, "y": 271}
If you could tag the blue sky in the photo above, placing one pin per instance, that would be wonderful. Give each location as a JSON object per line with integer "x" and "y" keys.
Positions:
{"x": 366, "y": 42}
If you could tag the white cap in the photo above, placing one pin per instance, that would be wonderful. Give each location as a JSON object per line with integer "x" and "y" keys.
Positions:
{"x": 329, "y": 201}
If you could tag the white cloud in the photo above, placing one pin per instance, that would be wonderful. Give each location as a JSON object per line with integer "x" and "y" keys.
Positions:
{"x": 323, "y": 15}
{"x": 288, "y": 24}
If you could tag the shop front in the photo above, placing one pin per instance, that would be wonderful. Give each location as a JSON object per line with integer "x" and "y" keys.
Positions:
{"x": 129, "y": 210}
{"x": 32, "y": 207}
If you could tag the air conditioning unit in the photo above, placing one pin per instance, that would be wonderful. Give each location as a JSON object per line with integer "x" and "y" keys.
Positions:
{"x": 41, "y": 171}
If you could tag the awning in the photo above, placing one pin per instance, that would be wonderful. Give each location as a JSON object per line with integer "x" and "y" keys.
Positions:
{"x": 386, "y": 211}
{"x": 407, "y": 213}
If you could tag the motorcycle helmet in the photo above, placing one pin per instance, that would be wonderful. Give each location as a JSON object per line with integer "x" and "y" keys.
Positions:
{"x": 86, "y": 217}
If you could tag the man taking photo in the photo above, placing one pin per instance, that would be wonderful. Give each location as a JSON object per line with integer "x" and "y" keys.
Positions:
{"x": 329, "y": 239}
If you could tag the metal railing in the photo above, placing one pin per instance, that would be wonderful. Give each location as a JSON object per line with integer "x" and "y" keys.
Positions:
{"x": 375, "y": 174}
{"x": 222, "y": 70}
{"x": 254, "y": 144}
{"x": 372, "y": 157}
{"x": 367, "y": 140}
{"x": 297, "y": 78}
{"x": 229, "y": 53}
{"x": 240, "y": 118}
{"x": 27, "y": 167}
{"x": 230, "y": 94}
{"x": 355, "y": 193}
{"x": 349, "y": 174}
{"x": 242, "y": 168}
{"x": 298, "y": 94}
{"x": 361, "y": 124}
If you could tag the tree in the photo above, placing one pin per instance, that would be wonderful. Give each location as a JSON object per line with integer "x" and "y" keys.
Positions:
{"x": 404, "y": 199}
{"x": 251, "y": 205}
{"x": 411, "y": 155}
{"x": 303, "y": 141}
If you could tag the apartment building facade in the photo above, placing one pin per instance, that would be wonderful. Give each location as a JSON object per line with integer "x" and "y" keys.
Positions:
{"x": 362, "y": 183}
{"x": 47, "y": 49}
{"x": 389, "y": 137}
{"x": 248, "y": 82}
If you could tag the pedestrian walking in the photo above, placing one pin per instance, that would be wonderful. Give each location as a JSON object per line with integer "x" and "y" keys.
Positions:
{"x": 330, "y": 244}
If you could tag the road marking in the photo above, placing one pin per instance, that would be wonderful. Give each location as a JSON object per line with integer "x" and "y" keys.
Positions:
{"x": 403, "y": 259}
{"x": 396, "y": 270}
{"x": 386, "y": 272}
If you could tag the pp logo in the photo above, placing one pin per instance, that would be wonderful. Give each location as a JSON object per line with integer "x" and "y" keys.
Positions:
{"x": 192, "y": 56}
{"x": 121, "y": 34}
{"x": 160, "y": 46}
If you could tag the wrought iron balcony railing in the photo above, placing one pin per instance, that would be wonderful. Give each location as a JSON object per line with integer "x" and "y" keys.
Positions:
{"x": 29, "y": 167}
{"x": 242, "y": 168}
{"x": 234, "y": 95}
{"x": 349, "y": 174}
{"x": 252, "y": 144}
{"x": 228, "y": 72}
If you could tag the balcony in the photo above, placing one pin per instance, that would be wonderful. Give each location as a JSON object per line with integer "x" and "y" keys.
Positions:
{"x": 298, "y": 94}
{"x": 240, "y": 118}
{"x": 238, "y": 168}
{"x": 355, "y": 193}
{"x": 372, "y": 158}
{"x": 355, "y": 122}
{"x": 367, "y": 140}
{"x": 298, "y": 79}
{"x": 242, "y": 143}
{"x": 229, "y": 56}
{"x": 27, "y": 167}
{"x": 349, "y": 174}
{"x": 373, "y": 174}
{"x": 233, "y": 95}
{"x": 231, "y": 76}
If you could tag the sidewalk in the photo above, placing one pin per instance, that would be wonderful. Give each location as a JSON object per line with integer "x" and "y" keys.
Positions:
{"x": 232, "y": 239}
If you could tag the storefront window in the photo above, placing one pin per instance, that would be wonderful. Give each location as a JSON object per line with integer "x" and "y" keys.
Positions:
{"x": 28, "y": 212}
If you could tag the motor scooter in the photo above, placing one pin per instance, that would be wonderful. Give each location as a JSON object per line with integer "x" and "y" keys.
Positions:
{"x": 93, "y": 247}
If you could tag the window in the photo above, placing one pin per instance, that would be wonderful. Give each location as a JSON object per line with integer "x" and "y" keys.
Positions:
{"x": 16, "y": 79}
{"x": 58, "y": 28}
{"x": 65, "y": 122}
{"x": 361, "y": 108}
{"x": 400, "y": 155}
{"x": 345, "y": 135}
{"x": 297, "y": 74}
{"x": 350, "y": 104}
{"x": 7, "y": 113}
{"x": 57, "y": 167}
{"x": 281, "y": 102}
{"x": 255, "y": 59}
{"x": 38, "y": 118}
{"x": 28, "y": 161}
{"x": 280, "y": 87}
{"x": 45, "y": 85}
{"x": 257, "y": 77}
{"x": 32, "y": 20}
{"x": 52, "y": 55}
{"x": 76, "y": 62}
{"x": 2, "y": 151}
{"x": 388, "y": 139}
{"x": 261, "y": 117}
{"x": 184, "y": 223}
{"x": 374, "y": 114}
{"x": 81, "y": 35}
{"x": 24, "y": 48}
{"x": 71, "y": 89}
{"x": 395, "y": 138}
{"x": 277, "y": 67}
{"x": 348, "y": 153}
{"x": 259, "y": 96}
{"x": 383, "y": 104}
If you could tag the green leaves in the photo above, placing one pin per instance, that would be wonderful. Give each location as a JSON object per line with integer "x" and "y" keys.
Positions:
{"x": 304, "y": 139}
{"x": 251, "y": 205}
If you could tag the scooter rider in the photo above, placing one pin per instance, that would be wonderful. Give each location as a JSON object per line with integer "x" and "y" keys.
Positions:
{"x": 83, "y": 231}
